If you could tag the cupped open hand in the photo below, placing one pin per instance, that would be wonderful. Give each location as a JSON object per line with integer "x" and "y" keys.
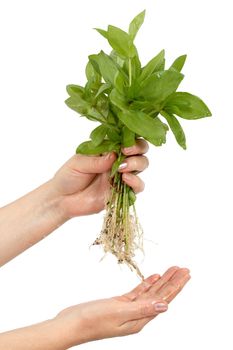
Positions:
{"x": 125, "y": 314}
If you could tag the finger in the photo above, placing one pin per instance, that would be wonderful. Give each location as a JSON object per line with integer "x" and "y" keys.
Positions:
{"x": 134, "y": 163}
{"x": 167, "y": 293}
{"x": 140, "y": 147}
{"x": 170, "y": 289}
{"x": 142, "y": 287}
{"x": 175, "y": 293}
{"x": 80, "y": 163}
{"x": 136, "y": 310}
{"x": 133, "y": 181}
{"x": 163, "y": 280}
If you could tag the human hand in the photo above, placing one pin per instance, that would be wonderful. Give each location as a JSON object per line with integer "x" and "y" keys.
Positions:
{"x": 118, "y": 316}
{"x": 83, "y": 181}
{"x": 122, "y": 315}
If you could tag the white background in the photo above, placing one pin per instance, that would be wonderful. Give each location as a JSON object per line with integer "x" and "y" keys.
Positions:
{"x": 186, "y": 208}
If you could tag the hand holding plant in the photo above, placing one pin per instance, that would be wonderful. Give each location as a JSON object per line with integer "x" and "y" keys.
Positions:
{"x": 83, "y": 181}
{"x": 130, "y": 101}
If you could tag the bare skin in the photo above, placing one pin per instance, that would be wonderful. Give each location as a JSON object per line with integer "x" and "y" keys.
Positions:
{"x": 79, "y": 188}
{"x": 106, "y": 318}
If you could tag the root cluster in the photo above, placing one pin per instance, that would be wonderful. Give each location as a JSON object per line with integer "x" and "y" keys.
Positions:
{"x": 121, "y": 233}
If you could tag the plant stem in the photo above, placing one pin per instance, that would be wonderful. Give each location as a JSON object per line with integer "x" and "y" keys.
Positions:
{"x": 121, "y": 233}
{"x": 125, "y": 217}
{"x": 130, "y": 72}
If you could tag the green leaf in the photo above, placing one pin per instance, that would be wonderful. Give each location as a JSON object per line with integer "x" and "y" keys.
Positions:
{"x": 119, "y": 83}
{"x": 98, "y": 134}
{"x": 121, "y": 42}
{"x": 135, "y": 67}
{"x": 103, "y": 88}
{"x": 95, "y": 114}
{"x": 102, "y": 105}
{"x": 84, "y": 108}
{"x": 176, "y": 128}
{"x": 132, "y": 197}
{"x": 77, "y": 104}
{"x": 74, "y": 90}
{"x": 106, "y": 65}
{"x": 94, "y": 61}
{"x": 179, "y": 63}
{"x": 143, "y": 125}
{"x": 118, "y": 99}
{"x": 112, "y": 118}
{"x": 92, "y": 86}
{"x": 89, "y": 148}
{"x": 152, "y": 66}
{"x": 91, "y": 73}
{"x": 141, "y": 105}
{"x": 117, "y": 58}
{"x": 136, "y": 24}
{"x": 160, "y": 85}
{"x": 128, "y": 137}
{"x": 113, "y": 135}
{"x": 165, "y": 126}
{"x": 104, "y": 33}
{"x": 161, "y": 66}
{"x": 186, "y": 106}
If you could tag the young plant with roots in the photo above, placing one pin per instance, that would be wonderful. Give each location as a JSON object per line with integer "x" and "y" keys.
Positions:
{"x": 129, "y": 101}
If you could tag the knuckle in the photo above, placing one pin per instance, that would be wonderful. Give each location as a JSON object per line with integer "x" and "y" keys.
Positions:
{"x": 145, "y": 310}
{"x": 132, "y": 296}
{"x": 95, "y": 162}
{"x": 145, "y": 286}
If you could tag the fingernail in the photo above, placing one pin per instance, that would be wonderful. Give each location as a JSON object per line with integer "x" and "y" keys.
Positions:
{"x": 127, "y": 150}
{"x": 159, "y": 307}
{"x": 122, "y": 166}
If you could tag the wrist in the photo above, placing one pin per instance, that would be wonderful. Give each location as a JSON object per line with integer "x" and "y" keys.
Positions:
{"x": 70, "y": 330}
{"x": 53, "y": 204}
{"x": 60, "y": 334}
{"x": 47, "y": 335}
{"x": 52, "y": 335}
{"x": 29, "y": 219}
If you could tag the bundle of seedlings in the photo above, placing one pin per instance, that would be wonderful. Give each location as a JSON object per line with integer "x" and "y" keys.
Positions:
{"x": 129, "y": 101}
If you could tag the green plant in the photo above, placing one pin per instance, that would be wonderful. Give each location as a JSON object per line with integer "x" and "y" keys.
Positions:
{"x": 129, "y": 101}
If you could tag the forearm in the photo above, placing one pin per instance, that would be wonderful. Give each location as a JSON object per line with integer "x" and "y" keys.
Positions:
{"x": 29, "y": 219}
{"x": 48, "y": 335}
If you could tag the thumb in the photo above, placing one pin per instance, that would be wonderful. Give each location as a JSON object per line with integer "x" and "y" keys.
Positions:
{"x": 149, "y": 308}
{"x": 94, "y": 164}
